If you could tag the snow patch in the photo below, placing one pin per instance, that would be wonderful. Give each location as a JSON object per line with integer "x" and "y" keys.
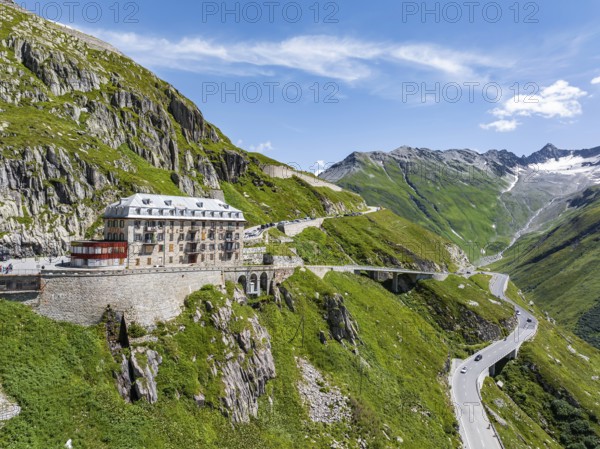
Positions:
{"x": 571, "y": 166}
{"x": 512, "y": 185}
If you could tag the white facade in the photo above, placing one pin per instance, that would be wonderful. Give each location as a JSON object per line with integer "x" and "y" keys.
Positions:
{"x": 169, "y": 230}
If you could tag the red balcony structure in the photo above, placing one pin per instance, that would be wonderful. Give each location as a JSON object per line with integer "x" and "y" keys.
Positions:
{"x": 98, "y": 254}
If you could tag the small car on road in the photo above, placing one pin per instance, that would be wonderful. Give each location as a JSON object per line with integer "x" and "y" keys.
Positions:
{"x": 463, "y": 370}
{"x": 529, "y": 320}
{"x": 478, "y": 357}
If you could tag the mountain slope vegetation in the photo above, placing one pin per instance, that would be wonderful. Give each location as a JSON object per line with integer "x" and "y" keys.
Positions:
{"x": 558, "y": 267}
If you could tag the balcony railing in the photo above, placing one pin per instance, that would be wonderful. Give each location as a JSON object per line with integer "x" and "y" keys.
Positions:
{"x": 150, "y": 229}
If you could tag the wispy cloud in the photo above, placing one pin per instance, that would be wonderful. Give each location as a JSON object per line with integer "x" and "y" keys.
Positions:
{"x": 559, "y": 100}
{"x": 596, "y": 80}
{"x": 262, "y": 147}
{"x": 339, "y": 58}
{"x": 501, "y": 126}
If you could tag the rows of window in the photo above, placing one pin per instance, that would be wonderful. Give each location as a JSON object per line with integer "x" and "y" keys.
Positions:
{"x": 185, "y": 213}
{"x": 193, "y": 247}
{"x": 97, "y": 250}
{"x": 160, "y": 237}
{"x": 115, "y": 237}
{"x": 152, "y": 224}
{"x": 115, "y": 223}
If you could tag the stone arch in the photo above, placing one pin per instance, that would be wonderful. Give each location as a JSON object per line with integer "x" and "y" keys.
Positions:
{"x": 264, "y": 282}
{"x": 254, "y": 287}
{"x": 242, "y": 280}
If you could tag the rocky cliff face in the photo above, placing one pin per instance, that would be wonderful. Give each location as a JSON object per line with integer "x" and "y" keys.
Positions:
{"x": 341, "y": 324}
{"x": 248, "y": 365}
{"x": 80, "y": 125}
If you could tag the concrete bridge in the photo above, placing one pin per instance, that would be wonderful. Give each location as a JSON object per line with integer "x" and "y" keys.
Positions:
{"x": 402, "y": 279}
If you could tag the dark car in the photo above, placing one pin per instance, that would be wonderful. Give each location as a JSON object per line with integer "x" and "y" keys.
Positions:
{"x": 529, "y": 320}
{"x": 478, "y": 358}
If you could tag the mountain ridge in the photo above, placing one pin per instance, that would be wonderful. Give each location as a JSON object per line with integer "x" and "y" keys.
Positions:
{"x": 477, "y": 200}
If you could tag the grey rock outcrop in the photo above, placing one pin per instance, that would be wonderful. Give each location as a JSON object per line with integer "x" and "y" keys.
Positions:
{"x": 341, "y": 324}
{"x": 248, "y": 367}
{"x": 123, "y": 378}
{"x": 8, "y": 408}
{"x": 288, "y": 298}
{"x": 232, "y": 165}
{"x": 145, "y": 372}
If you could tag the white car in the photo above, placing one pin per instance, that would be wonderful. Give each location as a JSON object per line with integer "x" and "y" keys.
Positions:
{"x": 463, "y": 370}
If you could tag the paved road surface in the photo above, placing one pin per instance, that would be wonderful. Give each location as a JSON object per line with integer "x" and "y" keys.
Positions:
{"x": 473, "y": 420}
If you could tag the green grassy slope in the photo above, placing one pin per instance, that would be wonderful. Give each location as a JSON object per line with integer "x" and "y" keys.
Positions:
{"x": 61, "y": 375}
{"x": 554, "y": 381}
{"x": 516, "y": 428}
{"x": 265, "y": 199}
{"x": 385, "y": 239}
{"x": 558, "y": 268}
{"x": 549, "y": 396}
{"x": 463, "y": 199}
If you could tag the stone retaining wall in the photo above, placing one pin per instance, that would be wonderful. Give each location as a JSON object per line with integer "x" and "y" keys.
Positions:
{"x": 145, "y": 297}
{"x": 293, "y": 229}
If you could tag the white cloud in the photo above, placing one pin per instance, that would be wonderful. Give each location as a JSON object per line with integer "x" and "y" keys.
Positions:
{"x": 501, "y": 126}
{"x": 558, "y": 100}
{"x": 444, "y": 60}
{"x": 596, "y": 80}
{"x": 344, "y": 59}
{"x": 262, "y": 147}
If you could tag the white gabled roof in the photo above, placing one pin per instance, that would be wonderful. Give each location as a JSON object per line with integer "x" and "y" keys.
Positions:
{"x": 167, "y": 207}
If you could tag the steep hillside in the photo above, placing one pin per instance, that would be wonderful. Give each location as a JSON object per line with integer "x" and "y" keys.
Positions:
{"x": 385, "y": 239}
{"x": 81, "y": 124}
{"x": 478, "y": 201}
{"x": 558, "y": 267}
{"x": 549, "y": 394}
{"x": 322, "y": 361}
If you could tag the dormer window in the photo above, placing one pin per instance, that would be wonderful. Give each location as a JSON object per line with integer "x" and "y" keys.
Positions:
{"x": 146, "y": 201}
{"x": 169, "y": 202}
{"x": 200, "y": 204}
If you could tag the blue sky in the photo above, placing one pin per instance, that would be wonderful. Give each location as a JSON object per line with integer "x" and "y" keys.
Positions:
{"x": 350, "y": 76}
